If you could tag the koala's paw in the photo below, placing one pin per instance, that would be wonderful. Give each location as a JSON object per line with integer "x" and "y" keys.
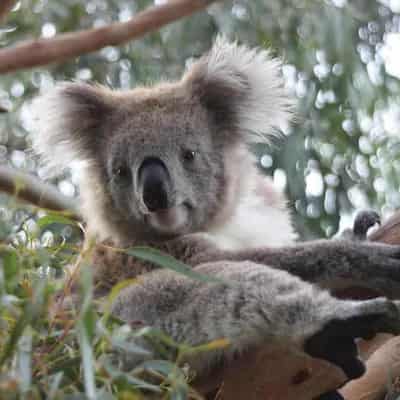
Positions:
{"x": 335, "y": 342}
{"x": 363, "y": 222}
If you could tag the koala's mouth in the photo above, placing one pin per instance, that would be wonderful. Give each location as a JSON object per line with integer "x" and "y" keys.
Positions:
{"x": 172, "y": 220}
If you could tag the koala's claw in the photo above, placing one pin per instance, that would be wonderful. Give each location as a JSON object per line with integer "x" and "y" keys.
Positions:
{"x": 336, "y": 341}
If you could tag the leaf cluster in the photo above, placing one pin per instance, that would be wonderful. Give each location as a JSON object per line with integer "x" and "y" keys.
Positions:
{"x": 54, "y": 347}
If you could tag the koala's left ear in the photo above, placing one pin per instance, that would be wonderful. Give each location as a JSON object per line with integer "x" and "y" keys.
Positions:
{"x": 67, "y": 122}
{"x": 243, "y": 89}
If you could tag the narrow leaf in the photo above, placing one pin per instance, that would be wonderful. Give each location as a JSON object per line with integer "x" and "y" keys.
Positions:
{"x": 166, "y": 261}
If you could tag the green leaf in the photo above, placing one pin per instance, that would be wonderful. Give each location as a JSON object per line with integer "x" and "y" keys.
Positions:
{"x": 75, "y": 396}
{"x": 138, "y": 383}
{"x": 10, "y": 264}
{"x": 164, "y": 260}
{"x": 103, "y": 395}
{"x": 128, "y": 347}
{"x": 179, "y": 392}
{"x": 120, "y": 341}
{"x": 86, "y": 328}
{"x": 87, "y": 362}
{"x": 30, "y": 314}
{"x": 25, "y": 360}
{"x": 165, "y": 368}
{"x": 53, "y": 218}
{"x": 55, "y": 385}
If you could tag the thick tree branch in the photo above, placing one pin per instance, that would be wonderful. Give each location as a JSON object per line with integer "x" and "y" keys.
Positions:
{"x": 5, "y": 8}
{"x": 65, "y": 46}
{"x": 29, "y": 188}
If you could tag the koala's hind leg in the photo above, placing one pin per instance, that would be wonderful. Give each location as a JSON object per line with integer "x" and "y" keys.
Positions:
{"x": 331, "y": 396}
{"x": 335, "y": 342}
{"x": 253, "y": 305}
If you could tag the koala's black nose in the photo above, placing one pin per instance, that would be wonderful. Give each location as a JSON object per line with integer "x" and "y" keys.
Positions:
{"x": 154, "y": 182}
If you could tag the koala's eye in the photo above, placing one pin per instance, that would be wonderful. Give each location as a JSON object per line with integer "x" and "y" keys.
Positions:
{"x": 188, "y": 155}
{"x": 122, "y": 174}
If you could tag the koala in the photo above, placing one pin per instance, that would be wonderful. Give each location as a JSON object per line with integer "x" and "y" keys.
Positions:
{"x": 169, "y": 166}
{"x": 363, "y": 222}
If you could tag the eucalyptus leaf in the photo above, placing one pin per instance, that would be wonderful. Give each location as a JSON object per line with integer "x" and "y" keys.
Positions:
{"x": 50, "y": 219}
{"x": 164, "y": 260}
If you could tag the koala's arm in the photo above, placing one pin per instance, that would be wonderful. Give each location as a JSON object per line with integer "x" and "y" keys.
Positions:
{"x": 334, "y": 264}
{"x": 257, "y": 306}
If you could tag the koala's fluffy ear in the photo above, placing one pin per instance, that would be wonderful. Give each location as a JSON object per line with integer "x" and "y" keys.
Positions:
{"x": 67, "y": 122}
{"x": 243, "y": 88}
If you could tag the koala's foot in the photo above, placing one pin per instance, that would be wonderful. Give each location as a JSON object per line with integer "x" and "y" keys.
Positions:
{"x": 335, "y": 342}
{"x": 334, "y": 395}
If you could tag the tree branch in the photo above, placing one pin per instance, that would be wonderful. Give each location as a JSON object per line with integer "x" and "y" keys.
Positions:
{"x": 5, "y": 8}
{"x": 38, "y": 52}
{"x": 31, "y": 189}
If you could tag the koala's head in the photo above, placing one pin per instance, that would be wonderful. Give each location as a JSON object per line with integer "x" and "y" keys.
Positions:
{"x": 166, "y": 160}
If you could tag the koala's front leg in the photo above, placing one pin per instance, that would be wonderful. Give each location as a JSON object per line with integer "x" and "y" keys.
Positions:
{"x": 335, "y": 264}
{"x": 257, "y": 306}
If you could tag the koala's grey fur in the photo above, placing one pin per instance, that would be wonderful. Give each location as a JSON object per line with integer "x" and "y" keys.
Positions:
{"x": 227, "y": 99}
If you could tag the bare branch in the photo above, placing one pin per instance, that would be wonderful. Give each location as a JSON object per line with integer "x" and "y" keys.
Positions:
{"x": 5, "y": 8}
{"x": 37, "y": 52}
{"x": 31, "y": 189}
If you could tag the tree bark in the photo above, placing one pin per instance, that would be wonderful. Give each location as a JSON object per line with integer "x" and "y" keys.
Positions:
{"x": 33, "y": 53}
{"x": 31, "y": 189}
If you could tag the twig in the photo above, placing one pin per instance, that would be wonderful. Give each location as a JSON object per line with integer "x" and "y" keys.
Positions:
{"x": 5, "y": 8}
{"x": 68, "y": 45}
{"x": 31, "y": 189}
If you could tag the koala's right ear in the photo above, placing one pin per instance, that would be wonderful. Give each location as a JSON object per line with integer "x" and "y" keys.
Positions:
{"x": 67, "y": 122}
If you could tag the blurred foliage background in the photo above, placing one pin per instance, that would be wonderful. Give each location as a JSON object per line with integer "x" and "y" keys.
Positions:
{"x": 342, "y": 61}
